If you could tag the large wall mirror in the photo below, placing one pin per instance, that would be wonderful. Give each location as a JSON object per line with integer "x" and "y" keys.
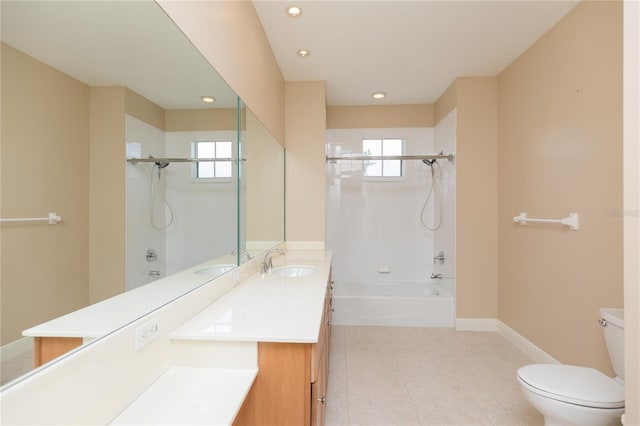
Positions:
{"x": 87, "y": 88}
{"x": 262, "y": 186}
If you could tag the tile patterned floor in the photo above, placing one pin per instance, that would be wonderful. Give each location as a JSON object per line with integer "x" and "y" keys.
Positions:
{"x": 424, "y": 376}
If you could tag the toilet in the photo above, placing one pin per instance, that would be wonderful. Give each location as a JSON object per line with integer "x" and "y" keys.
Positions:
{"x": 572, "y": 395}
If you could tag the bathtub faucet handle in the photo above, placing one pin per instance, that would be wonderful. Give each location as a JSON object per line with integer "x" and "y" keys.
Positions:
{"x": 439, "y": 258}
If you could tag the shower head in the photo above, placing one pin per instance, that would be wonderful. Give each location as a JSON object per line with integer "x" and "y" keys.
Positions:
{"x": 159, "y": 164}
{"x": 429, "y": 162}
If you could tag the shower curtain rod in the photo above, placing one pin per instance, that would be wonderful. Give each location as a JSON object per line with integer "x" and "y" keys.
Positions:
{"x": 393, "y": 157}
{"x": 177, "y": 160}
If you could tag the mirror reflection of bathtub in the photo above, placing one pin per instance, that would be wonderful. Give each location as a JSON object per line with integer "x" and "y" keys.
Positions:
{"x": 67, "y": 118}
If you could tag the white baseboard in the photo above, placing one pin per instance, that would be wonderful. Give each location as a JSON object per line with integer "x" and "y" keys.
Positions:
{"x": 15, "y": 348}
{"x": 519, "y": 341}
{"x": 476, "y": 324}
{"x": 525, "y": 345}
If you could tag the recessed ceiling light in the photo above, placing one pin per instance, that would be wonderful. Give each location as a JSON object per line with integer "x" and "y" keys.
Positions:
{"x": 294, "y": 11}
{"x": 378, "y": 95}
{"x": 303, "y": 53}
{"x": 207, "y": 99}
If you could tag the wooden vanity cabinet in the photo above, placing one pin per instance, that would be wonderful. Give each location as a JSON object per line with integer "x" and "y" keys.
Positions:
{"x": 49, "y": 348}
{"x": 291, "y": 385}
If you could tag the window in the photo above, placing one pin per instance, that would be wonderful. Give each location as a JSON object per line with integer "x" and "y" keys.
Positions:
{"x": 382, "y": 147}
{"x": 213, "y": 169}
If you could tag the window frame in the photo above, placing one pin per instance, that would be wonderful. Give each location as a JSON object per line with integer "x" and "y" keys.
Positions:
{"x": 381, "y": 177}
{"x": 195, "y": 145}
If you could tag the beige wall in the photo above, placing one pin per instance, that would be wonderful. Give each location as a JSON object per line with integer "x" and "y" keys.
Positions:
{"x": 264, "y": 184}
{"x": 476, "y": 100}
{"x": 230, "y": 36}
{"x": 560, "y": 123}
{"x": 305, "y": 152}
{"x": 145, "y": 110}
{"x": 445, "y": 103}
{"x": 476, "y": 197}
{"x": 201, "y": 119}
{"x": 45, "y": 127}
{"x": 631, "y": 154}
{"x": 107, "y": 196}
{"x": 380, "y": 116}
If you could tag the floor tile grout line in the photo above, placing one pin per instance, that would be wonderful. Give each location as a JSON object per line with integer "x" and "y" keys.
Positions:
{"x": 359, "y": 336}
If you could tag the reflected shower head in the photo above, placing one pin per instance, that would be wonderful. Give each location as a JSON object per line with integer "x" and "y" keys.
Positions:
{"x": 161, "y": 165}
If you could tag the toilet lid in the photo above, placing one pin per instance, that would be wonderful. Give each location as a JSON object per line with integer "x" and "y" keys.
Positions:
{"x": 573, "y": 384}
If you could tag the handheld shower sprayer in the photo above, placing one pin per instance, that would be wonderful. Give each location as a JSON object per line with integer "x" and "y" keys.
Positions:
{"x": 432, "y": 161}
{"x": 159, "y": 165}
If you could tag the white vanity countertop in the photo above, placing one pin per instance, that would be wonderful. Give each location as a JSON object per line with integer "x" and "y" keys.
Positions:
{"x": 108, "y": 315}
{"x": 267, "y": 308}
{"x": 191, "y": 396}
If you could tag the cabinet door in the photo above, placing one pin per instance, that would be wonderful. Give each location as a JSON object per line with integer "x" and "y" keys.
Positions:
{"x": 280, "y": 394}
{"x": 319, "y": 387}
{"x": 319, "y": 392}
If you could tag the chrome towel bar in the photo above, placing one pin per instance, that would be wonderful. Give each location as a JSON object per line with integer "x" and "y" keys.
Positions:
{"x": 572, "y": 221}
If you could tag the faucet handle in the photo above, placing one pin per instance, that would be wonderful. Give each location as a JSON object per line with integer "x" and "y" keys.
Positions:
{"x": 439, "y": 258}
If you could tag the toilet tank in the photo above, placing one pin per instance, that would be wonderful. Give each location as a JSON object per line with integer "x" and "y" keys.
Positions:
{"x": 613, "y": 327}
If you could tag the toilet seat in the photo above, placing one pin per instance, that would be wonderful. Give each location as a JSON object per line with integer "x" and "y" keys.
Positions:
{"x": 574, "y": 385}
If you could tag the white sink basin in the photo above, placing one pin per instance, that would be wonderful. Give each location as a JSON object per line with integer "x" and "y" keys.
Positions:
{"x": 215, "y": 270}
{"x": 293, "y": 271}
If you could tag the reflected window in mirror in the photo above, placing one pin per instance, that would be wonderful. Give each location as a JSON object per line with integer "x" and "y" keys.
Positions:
{"x": 213, "y": 170}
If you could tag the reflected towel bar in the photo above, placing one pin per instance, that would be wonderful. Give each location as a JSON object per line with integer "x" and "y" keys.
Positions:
{"x": 53, "y": 218}
{"x": 572, "y": 221}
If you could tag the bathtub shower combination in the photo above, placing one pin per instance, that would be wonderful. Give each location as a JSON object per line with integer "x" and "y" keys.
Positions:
{"x": 401, "y": 304}
{"x": 391, "y": 225}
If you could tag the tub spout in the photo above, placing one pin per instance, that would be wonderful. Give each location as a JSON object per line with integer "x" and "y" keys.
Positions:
{"x": 442, "y": 276}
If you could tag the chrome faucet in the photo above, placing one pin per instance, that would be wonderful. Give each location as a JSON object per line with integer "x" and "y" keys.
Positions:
{"x": 267, "y": 264}
{"x": 241, "y": 251}
{"x": 436, "y": 276}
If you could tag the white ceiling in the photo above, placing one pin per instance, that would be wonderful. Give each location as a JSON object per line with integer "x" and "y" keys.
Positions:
{"x": 113, "y": 43}
{"x": 413, "y": 50}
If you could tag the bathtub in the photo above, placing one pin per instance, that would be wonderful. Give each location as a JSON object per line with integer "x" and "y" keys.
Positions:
{"x": 404, "y": 304}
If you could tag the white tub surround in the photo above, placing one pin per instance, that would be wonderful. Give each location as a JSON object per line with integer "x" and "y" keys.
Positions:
{"x": 401, "y": 304}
